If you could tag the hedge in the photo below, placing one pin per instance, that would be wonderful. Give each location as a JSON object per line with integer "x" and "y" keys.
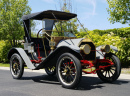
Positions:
{"x": 117, "y": 37}
{"x": 4, "y": 49}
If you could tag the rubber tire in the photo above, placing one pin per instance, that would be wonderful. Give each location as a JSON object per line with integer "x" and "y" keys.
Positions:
{"x": 50, "y": 73}
{"x": 21, "y": 66}
{"x": 117, "y": 72}
{"x": 78, "y": 67}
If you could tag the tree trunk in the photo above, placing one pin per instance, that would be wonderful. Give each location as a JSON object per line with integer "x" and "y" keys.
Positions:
{"x": 14, "y": 43}
{"x": 11, "y": 43}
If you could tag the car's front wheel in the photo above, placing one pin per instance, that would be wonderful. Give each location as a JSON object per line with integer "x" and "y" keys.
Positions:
{"x": 68, "y": 70}
{"x": 16, "y": 66}
{"x": 111, "y": 73}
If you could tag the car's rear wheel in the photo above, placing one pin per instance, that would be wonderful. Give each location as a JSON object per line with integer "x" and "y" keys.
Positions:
{"x": 69, "y": 70}
{"x": 111, "y": 73}
{"x": 16, "y": 66}
{"x": 50, "y": 70}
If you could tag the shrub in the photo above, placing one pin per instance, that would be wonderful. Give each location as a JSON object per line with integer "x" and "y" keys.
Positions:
{"x": 4, "y": 49}
{"x": 124, "y": 52}
{"x": 119, "y": 38}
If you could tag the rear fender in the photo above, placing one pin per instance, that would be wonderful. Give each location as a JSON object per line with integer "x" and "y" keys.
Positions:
{"x": 23, "y": 55}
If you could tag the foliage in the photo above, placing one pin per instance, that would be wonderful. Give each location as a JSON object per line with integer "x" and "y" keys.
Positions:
{"x": 66, "y": 26}
{"x": 70, "y": 25}
{"x": 81, "y": 33}
{"x": 124, "y": 51}
{"x": 110, "y": 39}
{"x": 4, "y": 49}
{"x": 11, "y": 12}
{"x": 33, "y": 34}
{"x": 116, "y": 37}
{"x": 119, "y": 11}
{"x": 122, "y": 32}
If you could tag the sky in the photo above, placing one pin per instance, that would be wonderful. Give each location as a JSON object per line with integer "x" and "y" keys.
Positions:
{"x": 92, "y": 13}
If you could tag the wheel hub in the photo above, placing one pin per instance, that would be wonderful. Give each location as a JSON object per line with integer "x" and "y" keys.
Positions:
{"x": 67, "y": 70}
{"x": 15, "y": 66}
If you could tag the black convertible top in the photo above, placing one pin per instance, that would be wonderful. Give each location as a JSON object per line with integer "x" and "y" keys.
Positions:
{"x": 49, "y": 15}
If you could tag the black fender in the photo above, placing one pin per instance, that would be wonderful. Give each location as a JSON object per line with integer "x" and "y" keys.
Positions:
{"x": 23, "y": 55}
{"x": 52, "y": 58}
{"x": 11, "y": 52}
{"x": 112, "y": 47}
{"x": 109, "y": 54}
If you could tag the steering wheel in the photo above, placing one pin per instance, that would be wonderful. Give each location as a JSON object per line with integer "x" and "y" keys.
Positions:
{"x": 39, "y": 32}
{"x": 44, "y": 31}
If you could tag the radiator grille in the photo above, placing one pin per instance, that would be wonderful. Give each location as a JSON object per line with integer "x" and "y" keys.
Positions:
{"x": 92, "y": 54}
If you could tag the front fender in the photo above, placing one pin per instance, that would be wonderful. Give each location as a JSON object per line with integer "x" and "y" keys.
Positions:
{"x": 99, "y": 53}
{"x": 112, "y": 47}
{"x": 52, "y": 58}
{"x": 72, "y": 47}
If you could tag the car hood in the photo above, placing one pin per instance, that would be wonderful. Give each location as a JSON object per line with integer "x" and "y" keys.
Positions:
{"x": 72, "y": 43}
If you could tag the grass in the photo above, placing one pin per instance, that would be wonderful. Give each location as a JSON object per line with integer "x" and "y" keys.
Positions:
{"x": 125, "y": 70}
{"x": 4, "y": 65}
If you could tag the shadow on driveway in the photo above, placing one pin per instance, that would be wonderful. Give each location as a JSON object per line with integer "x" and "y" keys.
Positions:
{"x": 87, "y": 83}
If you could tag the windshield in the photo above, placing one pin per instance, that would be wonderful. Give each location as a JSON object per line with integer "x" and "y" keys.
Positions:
{"x": 62, "y": 34}
{"x": 63, "y": 28}
{"x": 68, "y": 34}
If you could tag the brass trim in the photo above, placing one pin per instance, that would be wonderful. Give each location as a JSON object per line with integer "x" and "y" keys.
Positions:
{"x": 52, "y": 46}
{"x": 88, "y": 40}
{"x": 103, "y": 48}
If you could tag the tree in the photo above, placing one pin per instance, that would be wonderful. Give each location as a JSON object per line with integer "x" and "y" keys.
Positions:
{"x": 11, "y": 25}
{"x": 65, "y": 6}
{"x": 119, "y": 11}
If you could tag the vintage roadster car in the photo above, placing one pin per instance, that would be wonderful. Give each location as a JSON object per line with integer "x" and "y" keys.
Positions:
{"x": 61, "y": 53}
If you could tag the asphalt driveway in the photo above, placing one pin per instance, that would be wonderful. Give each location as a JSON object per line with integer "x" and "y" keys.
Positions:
{"x": 38, "y": 83}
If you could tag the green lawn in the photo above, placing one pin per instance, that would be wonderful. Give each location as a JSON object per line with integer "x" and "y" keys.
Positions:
{"x": 125, "y": 71}
{"x": 4, "y": 65}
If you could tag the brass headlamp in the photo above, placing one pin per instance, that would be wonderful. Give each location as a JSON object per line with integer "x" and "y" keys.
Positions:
{"x": 105, "y": 48}
{"x": 85, "y": 49}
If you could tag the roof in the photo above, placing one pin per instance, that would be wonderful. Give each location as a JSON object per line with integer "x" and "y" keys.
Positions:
{"x": 49, "y": 15}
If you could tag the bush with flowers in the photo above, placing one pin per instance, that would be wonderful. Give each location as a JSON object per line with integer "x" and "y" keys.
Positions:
{"x": 119, "y": 38}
